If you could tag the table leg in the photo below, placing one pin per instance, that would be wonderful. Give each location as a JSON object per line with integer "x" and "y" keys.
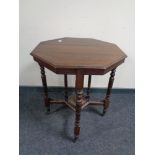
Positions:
{"x": 88, "y": 88}
{"x": 66, "y": 87}
{"x": 107, "y": 98}
{"x": 43, "y": 77}
{"x": 79, "y": 95}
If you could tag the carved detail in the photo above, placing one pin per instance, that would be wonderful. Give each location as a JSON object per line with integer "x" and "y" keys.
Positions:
{"x": 43, "y": 77}
{"x": 110, "y": 84}
{"x": 79, "y": 96}
{"x": 66, "y": 87}
{"x": 88, "y": 89}
{"x": 78, "y": 106}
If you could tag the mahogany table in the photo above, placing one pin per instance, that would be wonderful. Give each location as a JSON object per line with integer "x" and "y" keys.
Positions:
{"x": 78, "y": 56}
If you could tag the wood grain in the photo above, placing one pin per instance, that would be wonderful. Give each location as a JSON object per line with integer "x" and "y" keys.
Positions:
{"x": 78, "y": 53}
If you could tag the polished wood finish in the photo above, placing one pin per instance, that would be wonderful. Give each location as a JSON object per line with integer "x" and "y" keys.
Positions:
{"x": 51, "y": 101}
{"x": 78, "y": 56}
{"x": 79, "y": 95}
{"x": 72, "y": 102}
{"x": 107, "y": 98}
{"x": 66, "y": 86}
{"x": 43, "y": 77}
{"x": 88, "y": 88}
{"x": 90, "y": 55}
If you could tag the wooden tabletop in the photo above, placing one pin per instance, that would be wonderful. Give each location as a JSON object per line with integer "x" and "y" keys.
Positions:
{"x": 69, "y": 54}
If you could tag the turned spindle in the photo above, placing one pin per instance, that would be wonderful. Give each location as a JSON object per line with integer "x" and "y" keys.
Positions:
{"x": 106, "y": 101}
{"x": 44, "y": 82}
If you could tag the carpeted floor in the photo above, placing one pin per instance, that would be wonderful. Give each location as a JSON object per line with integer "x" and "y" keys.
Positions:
{"x": 52, "y": 134}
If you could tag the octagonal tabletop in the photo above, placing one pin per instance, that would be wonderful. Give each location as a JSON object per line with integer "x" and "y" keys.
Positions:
{"x": 66, "y": 55}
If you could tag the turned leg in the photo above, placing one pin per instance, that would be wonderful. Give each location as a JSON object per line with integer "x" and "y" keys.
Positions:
{"x": 88, "y": 88}
{"x": 66, "y": 87}
{"x": 43, "y": 77}
{"x": 107, "y": 98}
{"x": 79, "y": 95}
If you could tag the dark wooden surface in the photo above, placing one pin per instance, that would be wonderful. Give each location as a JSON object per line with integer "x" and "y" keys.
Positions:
{"x": 79, "y": 56}
{"x": 66, "y": 86}
{"x": 44, "y": 83}
{"x": 79, "y": 94}
{"x": 106, "y": 101}
{"x": 88, "y": 88}
{"x": 65, "y": 55}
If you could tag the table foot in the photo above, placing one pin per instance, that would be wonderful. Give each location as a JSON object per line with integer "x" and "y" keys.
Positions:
{"x": 47, "y": 111}
{"x": 75, "y": 139}
{"x": 104, "y": 111}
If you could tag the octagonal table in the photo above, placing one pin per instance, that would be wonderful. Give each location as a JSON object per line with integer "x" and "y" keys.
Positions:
{"x": 78, "y": 56}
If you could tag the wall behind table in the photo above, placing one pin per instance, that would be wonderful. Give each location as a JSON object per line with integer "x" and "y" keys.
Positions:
{"x": 107, "y": 20}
